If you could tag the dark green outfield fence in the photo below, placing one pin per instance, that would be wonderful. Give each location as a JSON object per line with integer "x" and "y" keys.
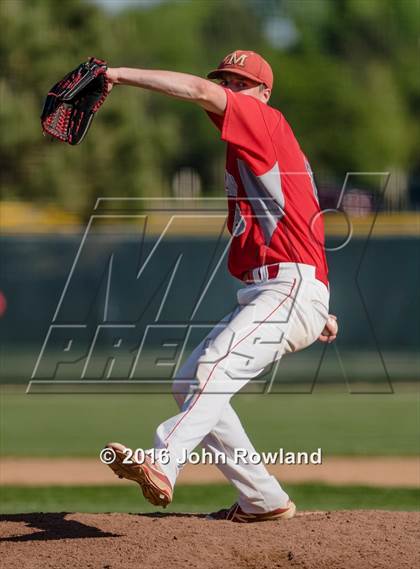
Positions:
{"x": 375, "y": 291}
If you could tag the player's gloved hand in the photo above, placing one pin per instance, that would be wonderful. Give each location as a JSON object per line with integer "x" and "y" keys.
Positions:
{"x": 330, "y": 331}
{"x": 71, "y": 104}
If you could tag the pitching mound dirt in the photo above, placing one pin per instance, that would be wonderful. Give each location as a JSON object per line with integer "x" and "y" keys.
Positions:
{"x": 336, "y": 540}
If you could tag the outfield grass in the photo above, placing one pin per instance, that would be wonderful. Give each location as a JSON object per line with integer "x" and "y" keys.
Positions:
{"x": 198, "y": 498}
{"x": 342, "y": 424}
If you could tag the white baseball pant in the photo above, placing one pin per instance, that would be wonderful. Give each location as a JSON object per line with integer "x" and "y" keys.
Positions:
{"x": 274, "y": 317}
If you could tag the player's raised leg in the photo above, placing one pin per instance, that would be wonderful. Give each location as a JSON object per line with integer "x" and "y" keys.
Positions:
{"x": 271, "y": 321}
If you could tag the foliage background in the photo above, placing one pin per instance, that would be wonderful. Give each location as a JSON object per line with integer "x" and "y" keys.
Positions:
{"x": 347, "y": 79}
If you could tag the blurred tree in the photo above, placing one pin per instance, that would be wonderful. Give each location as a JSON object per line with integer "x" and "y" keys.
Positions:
{"x": 355, "y": 78}
{"x": 345, "y": 79}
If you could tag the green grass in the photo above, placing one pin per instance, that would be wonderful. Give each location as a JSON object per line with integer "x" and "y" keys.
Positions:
{"x": 342, "y": 424}
{"x": 198, "y": 498}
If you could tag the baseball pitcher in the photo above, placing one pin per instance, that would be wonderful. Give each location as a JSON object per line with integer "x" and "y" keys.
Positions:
{"x": 277, "y": 251}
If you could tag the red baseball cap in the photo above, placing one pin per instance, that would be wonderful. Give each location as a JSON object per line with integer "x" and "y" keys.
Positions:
{"x": 247, "y": 64}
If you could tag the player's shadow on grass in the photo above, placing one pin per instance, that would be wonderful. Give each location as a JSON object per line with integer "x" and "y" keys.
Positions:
{"x": 53, "y": 527}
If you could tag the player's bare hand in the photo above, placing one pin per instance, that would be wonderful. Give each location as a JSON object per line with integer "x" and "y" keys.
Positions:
{"x": 330, "y": 331}
{"x": 112, "y": 76}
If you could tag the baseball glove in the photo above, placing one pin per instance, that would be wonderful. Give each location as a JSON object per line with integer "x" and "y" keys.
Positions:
{"x": 72, "y": 102}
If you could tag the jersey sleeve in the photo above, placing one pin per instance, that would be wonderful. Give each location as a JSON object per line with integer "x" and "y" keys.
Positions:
{"x": 249, "y": 125}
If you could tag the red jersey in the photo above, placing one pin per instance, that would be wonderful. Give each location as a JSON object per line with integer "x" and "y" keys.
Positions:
{"x": 272, "y": 197}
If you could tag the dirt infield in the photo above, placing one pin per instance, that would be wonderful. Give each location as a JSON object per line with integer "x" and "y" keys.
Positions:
{"x": 375, "y": 471}
{"x": 318, "y": 540}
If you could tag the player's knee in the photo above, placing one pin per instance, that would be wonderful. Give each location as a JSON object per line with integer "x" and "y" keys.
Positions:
{"x": 179, "y": 393}
{"x": 182, "y": 387}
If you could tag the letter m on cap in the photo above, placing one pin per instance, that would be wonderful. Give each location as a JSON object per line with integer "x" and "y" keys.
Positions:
{"x": 235, "y": 59}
